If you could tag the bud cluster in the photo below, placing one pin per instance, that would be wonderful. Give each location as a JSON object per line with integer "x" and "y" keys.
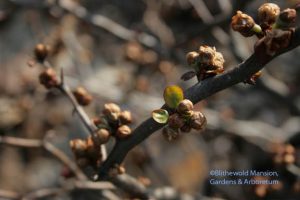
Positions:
{"x": 275, "y": 30}
{"x": 113, "y": 122}
{"x": 262, "y": 190}
{"x": 207, "y": 62}
{"x": 275, "y": 27}
{"x": 184, "y": 120}
{"x": 283, "y": 154}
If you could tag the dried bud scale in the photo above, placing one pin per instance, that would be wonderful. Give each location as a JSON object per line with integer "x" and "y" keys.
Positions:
{"x": 48, "y": 78}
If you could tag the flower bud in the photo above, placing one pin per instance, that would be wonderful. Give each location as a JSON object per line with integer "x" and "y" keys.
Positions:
{"x": 125, "y": 117}
{"x": 289, "y": 149}
{"x": 48, "y": 78}
{"x": 41, "y": 52}
{"x": 123, "y": 132}
{"x": 101, "y": 136}
{"x": 287, "y": 18}
{"x": 170, "y": 133}
{"x": 192, "y": 58}
{"x": 206, "y": 54}
{"x": 186, "y": 128}
{"x": 198, "y": 121}
{"x": 289, "y": 159}
{"x": 82, "y": 96}
{"x": 111, "y": 111}
{"x": 78, "y": 147}
{"x": 184, "y": 106}
{"x": 175, "y": 121}
{"x": 267, "y": 14}
{"x": 243, "y": 23}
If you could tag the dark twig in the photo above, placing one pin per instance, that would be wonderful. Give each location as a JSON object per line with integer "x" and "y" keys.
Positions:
{"x": 195, "y": 93}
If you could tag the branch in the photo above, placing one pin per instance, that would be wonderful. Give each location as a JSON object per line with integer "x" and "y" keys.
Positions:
{"x": 195, "y": 93}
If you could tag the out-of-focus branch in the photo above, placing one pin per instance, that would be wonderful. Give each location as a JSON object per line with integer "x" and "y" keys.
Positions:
{"x": 107, "y": 24}
{"x": 35, "y": 143}
{"x": 195, "y": 93}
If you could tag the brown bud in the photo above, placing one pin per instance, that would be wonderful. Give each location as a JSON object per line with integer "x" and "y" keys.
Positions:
{"x": 289, "y": 149}
{"x": 267, "y": 14}
{"x": 134, "y": 51}
{"x": 198, "y": 121}
{"x": 48, "y": 78}
{"x": 243, "y": 23}
{"x": 101, "y": 136}
{"x": 289, "y": 159}
{"x": 206, "y": 55}
{"x": 125, "y": 117}
{"x": 184, "y": 106}
{"x": 170, "y": 134}
{"x": 186, "y": 128}
{"x": 123, "y": 132}
{"x": 218, "y": 63}
{"x": 41, "y": 52}
{"x": 78, "y": 147}
{"x": 82, "y": 96}
{"x": 91, "y": 147}
{"x": 111, "y": 111}
{"x": 287, "y": 18}
{"x": 175, "y": 121}
{"x": 192, "y": 58}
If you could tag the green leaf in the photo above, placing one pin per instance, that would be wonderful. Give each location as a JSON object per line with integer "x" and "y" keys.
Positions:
{"x": 173, "y": 95}
{"x": 160, "y": 116}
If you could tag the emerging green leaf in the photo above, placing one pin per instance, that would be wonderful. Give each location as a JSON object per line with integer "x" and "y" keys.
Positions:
{"x": 173, "y": 95}
{"x": 160, "y": 116}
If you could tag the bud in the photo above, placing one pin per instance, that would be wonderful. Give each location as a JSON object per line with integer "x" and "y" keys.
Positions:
{"x": 111, "y": 111}
{"x": 170, "y": 134}
{"x": 78, "y": 147}
{"x": 82, "y": 96}
{"x": 267, "y": 14}
{"x": 192, "y": 58}
{"x": 123, "y": 132}
{"x": 289, "y": 159}
{"x": 91, "y": 147}
{"x": 218, "y": 63}
{"x": 289, "y": 149}
{"x": 243, "y": 23}
{"x": 287, "y": 18}
{"x": 40, "y": 52}
{"x": 48, "y": 78}
{"x": 125, "y": 117}
{"x": 186, "y": 128}
{"x": 198, "y": 121}
{"x": 101, "y": 136}
{"x": 206, "y": 55}
{"x": 175, "y": 121}
{"x": 184, "y": 106}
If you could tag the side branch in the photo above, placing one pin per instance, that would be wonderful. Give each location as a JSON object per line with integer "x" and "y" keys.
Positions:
{"x": 195, "y": 93}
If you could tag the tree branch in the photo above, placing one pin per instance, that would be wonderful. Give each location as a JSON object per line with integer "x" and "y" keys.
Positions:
{"x": 195, "y": 93}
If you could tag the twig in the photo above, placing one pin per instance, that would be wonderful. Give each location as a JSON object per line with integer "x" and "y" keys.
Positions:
{"x": 35, "y": 143}
{"x": 195, "y": 93}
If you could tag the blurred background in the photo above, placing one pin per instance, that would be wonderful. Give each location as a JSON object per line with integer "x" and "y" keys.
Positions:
{"x": 127, "y": 52}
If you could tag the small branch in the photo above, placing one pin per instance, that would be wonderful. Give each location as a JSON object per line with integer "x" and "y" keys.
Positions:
{"x": 195, "y": 93}
{"x": 35, "y": 143}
